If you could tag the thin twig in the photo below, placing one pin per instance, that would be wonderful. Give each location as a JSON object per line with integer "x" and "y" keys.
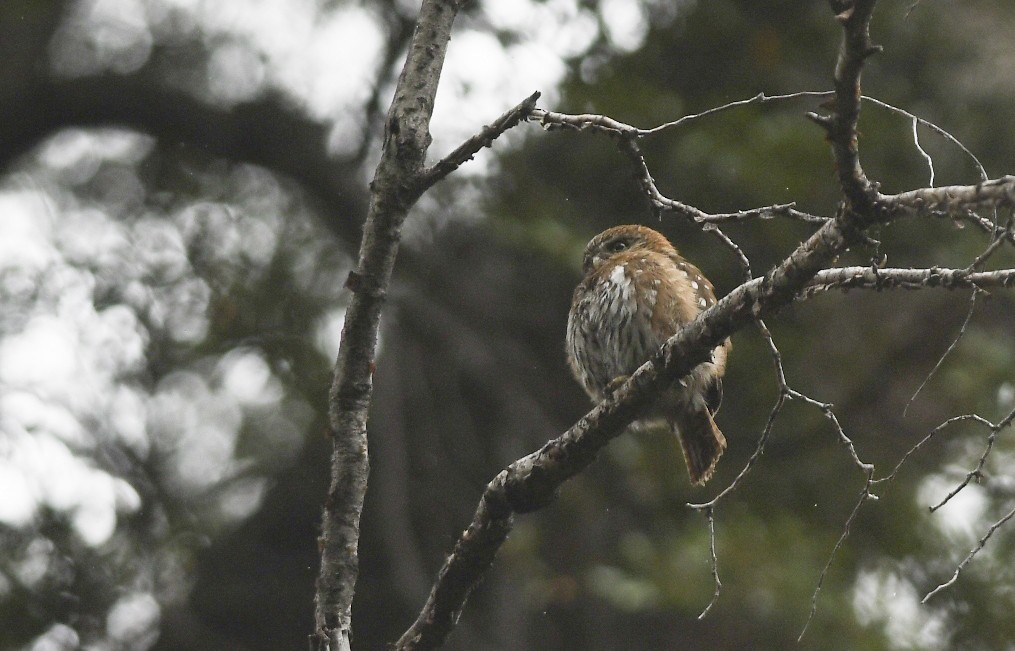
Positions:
{"x": 713, "y": 562}
{"x": 980, "y": 545}
{"x": 766, "y": 432}
{"x": 977, "y": 472}
{"x": 976, "y": 264}
{"x": 786, "y": 392}
{"x": 865, "y": 495}
{"x": 998, "y": 238}
{"x": 465, "y": 151}
{"x": 951, "y": 421}
{"x": 584, "y": 121}
{"x": 745, "y": 263}
{"x": 926, "y": 156}
{"x": 760, "y": 98}
{"x": 629, "y": 146}
{"x": 948, "y": 351}
{"x": 936, "y": 129}
{"x": 844, "y": 439}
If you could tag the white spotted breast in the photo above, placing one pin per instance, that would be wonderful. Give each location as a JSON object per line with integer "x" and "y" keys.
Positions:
{"x": 610, "y": 326}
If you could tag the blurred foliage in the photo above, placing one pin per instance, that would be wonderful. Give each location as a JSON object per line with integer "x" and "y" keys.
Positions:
{"x": 185, "y": 196}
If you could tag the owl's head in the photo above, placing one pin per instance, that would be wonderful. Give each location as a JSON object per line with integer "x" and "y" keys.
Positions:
{"x": 621, "y": 240}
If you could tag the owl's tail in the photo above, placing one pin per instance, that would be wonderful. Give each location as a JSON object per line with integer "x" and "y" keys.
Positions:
{"x": 701, "y": 441}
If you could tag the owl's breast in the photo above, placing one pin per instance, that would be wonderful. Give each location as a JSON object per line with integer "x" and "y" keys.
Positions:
{"x": 610, "y": 325}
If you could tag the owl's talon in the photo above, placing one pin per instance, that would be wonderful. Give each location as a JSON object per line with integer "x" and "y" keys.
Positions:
{"x": 616, "y": 383}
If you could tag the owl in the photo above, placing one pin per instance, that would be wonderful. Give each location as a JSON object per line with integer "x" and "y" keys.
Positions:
{"x": 637, "y": 292}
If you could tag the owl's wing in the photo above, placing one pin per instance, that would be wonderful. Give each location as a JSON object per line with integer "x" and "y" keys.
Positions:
{"x": 704, "y": 298}
{"x": 702, "y": 288}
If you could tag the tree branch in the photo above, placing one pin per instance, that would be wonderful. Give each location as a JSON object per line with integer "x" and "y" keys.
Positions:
{"x": 846, "y": 278}
{"x": 954, "y": 200}
{"x": 969, "y": 557}
{"x": 581, "y": 122}
{"x": 856, "y": 47}
{"x": 532, "y": 481}
{"x": 465, "y": 151}
{"x": 397, "y": 184}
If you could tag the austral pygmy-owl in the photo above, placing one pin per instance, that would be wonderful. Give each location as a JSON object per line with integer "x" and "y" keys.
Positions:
{"x": 637, "y": 292}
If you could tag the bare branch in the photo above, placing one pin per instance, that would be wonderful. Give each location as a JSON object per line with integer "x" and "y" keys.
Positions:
{"x": 532, "y": 482}
{"x": 592, "y": 121}
{"x": 936, "y": 129}
{"x": 954, "y": 200}
{"x": 628, "y": 143}
{"x": 604, "y": 124}
{"x": 846, "y": 278}
{"x": 465, "y": 151}
{"x": 955, "y": 419}
{"x": 948, "y": 351}
{"x": 977, "y": 472}
{"x": 713, "y": 561}
{"x": 663, "y": 203}
{"x": 398, "y": 182}
{"x": 856, "y": 47}
{"x": 551, "y": 120}
{"x": 406, "y": 140}
{"x": 980, "y": 545}
{"x": 860, "y": 195}
{"x": 865, "y": 495}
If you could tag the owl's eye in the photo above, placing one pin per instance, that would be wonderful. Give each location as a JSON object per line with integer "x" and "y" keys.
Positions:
{"x": 617, "y": 246}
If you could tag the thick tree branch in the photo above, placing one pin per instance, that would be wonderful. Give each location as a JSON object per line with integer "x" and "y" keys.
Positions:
{"x": 856, "y": 47}
{"x": 395, "y": 188}
{"x": 845, "y": 278}
{"x": 532, "y": 482}
{"x": 954, "y": 200}
{"x": 398, "y": 182}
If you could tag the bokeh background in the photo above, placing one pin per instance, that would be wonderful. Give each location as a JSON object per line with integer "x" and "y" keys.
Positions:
{"x": 183, "y": 184}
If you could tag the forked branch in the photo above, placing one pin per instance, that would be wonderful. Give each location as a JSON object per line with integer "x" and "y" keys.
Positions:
{"x": 532, "y": 482}
{"x": 399, "y": 180}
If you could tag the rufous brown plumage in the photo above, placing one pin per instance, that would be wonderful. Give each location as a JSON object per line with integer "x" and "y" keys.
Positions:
{"x": 637, "y": 292}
